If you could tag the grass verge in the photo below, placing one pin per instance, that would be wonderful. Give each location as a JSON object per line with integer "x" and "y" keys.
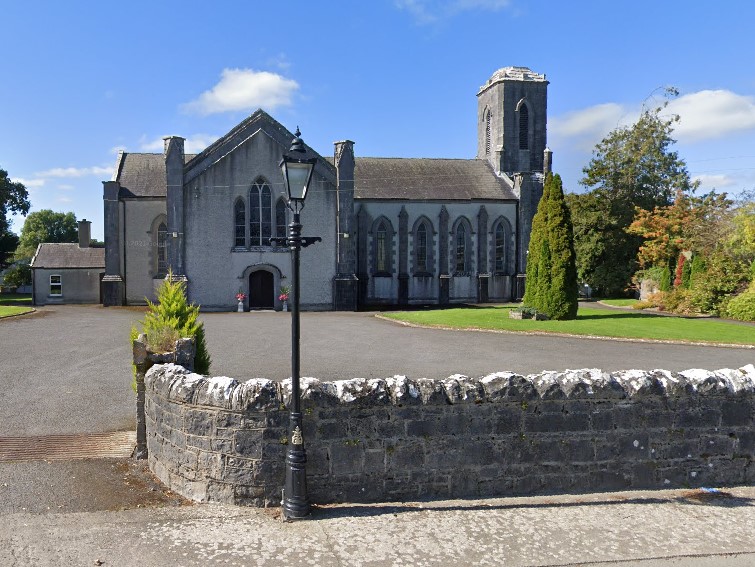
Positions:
{"x": 593, "y": 322}
{"x": 8, "y": 311}
{"x": 619, "y": 302}
{"x": 15, "y": 299}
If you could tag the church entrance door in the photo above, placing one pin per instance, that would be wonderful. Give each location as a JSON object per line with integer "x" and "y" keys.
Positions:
{"x": 261, "y": 290}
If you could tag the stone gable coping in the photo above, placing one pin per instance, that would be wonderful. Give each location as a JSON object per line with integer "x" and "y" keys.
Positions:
{"x": 178, "y": 384}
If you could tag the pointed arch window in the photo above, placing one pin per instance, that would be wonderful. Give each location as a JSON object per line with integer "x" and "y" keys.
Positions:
{"x": 162, "y": 249}
{"x": 239, "y": 221}
{"x": 423, "y": 247}
{"x": 280, "y": 218}
{"x": 382, "y": 247}
{"x": 524, "y": 127}
{"x": 381, "y": 253}
{"x": 461, "y": 248}
{"x": 260, "y": 214}
{"x": 500, "y": 248}
{"x": 487, "y": 133}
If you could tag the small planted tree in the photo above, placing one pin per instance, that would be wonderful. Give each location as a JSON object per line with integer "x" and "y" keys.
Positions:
{"x": 170, "y": 318}
{"x": 551, "y": 262}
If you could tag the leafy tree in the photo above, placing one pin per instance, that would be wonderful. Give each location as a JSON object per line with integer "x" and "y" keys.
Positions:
{"x": 631, "y": 167}
{"x": 606, "y": 259}
{"x": 741, "y": 238}
{"x": 171, "y": 318}
{"x": 13, "y": 199}
{"x": 46, "y": 226}
{"x": 551, "y": 269}
{"x": 8, "y": 245}
{"x": 18, "y": 275}
{"x": 689, "y": 223}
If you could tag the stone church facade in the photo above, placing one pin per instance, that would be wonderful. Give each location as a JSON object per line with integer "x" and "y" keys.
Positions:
{"x": 395, "y": 231}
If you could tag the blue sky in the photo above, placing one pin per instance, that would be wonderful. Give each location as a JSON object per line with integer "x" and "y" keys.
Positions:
{"x": 82, "y": 80}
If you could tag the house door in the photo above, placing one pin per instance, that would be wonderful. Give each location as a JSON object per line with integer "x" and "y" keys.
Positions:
{"x": 261, "y": 290}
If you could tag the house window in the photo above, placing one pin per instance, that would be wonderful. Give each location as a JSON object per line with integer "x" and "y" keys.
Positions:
{"x": 261, "y": 215}
{"x": 280, "y": 218}
{"x": 500, "y": 247}
{"x": 381, "y": 253}
{"x": 524, "y": 127}
{"x": 56, "y": 285}
{"x": 162, "y": 249}
{"x": 239, "y": 219}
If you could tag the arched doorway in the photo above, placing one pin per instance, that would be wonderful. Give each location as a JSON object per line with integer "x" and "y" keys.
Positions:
{"x": 261, "y": 290}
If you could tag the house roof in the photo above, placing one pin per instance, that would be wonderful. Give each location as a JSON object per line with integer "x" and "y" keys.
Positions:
{"x": 67, "y": 255}
{"x": 428, "y": 179}
{"x": 143, "y": 175}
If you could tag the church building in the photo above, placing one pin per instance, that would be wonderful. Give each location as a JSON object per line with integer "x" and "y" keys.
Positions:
{"x": 395, "y": 231}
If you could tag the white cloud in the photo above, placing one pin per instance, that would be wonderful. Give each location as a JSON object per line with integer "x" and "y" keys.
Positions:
{"x": 192, "y": 145}
{"x": 76, "y": 171}
{"x": 591, "y": 121}
{"x": 585, "y": 128}
{"x": 116, "y": 149}
{"x": 63, "y": 199}
{"x": 281, "y": 61}
{"x": 244, "y": 89}
{"x": 30, "y": 183}
{"x": 66, "y": 187}
{"x": 717, "y": 181}
{"x": 711, "y": 114}
{"x": 432, "y": 11}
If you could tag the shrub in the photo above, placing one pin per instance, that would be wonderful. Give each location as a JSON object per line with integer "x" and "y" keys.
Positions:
{"x": 742, "y": 306}
{"x": 665, "y": 282}
{"x": 679, "y": 301}
{"x": 721, "y": 277}
{"x": 686, "y": 274}
{"x": 171, "y": 318}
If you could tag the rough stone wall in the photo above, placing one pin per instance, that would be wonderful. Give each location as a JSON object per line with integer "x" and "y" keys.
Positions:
{"x": 396, "y": 439}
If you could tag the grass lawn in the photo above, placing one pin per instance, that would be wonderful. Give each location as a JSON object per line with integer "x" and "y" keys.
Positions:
{"x": 619, "y": 302}
{"x": 7, "y": 311}
{"x": 596, "y": 322}
{"x": 15, "y": 299}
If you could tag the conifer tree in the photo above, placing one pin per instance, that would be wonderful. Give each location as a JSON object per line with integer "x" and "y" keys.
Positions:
{"x": 171, "y": 318}
{"x": 551, "y": 285}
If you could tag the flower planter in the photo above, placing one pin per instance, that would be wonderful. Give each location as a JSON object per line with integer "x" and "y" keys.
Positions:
{"x": 241, "y": 307}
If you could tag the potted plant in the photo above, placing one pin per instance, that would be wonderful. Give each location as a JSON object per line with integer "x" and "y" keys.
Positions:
{"x": 285, "y": 290}
{"x": 240, "y": 297}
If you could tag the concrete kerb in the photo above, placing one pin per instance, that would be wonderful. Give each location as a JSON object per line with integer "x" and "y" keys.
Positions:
{"x": 566, "y": 335}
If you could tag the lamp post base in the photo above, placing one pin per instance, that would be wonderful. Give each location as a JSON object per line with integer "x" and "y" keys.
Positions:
{"x": 295, "y": 502}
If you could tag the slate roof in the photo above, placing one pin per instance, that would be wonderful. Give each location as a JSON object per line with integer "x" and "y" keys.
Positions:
{"x": 428, "y": 179}
{"x": 67, "y": 255}
{"x": 143, "y": 175}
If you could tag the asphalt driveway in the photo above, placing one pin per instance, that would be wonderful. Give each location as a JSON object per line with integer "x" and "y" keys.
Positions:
{"x": 66, "y": 369}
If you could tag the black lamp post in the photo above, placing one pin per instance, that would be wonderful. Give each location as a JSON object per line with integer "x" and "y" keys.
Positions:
{"x": 297, "y": 173}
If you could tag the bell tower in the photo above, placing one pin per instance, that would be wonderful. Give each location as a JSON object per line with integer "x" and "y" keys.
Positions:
{"x": 512, "y": 109}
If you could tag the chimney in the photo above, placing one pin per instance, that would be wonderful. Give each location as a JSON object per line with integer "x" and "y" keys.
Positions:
{"x": 85, "y": 232}
{"x": 547, "y": 161}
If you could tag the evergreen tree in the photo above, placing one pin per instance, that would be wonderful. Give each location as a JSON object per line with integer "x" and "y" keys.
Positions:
{"x": 171, "y": 318}
{"x": 551, "y": 285}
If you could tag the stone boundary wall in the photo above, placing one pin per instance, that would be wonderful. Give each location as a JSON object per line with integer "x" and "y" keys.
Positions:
{"x": 215, "y": 439}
